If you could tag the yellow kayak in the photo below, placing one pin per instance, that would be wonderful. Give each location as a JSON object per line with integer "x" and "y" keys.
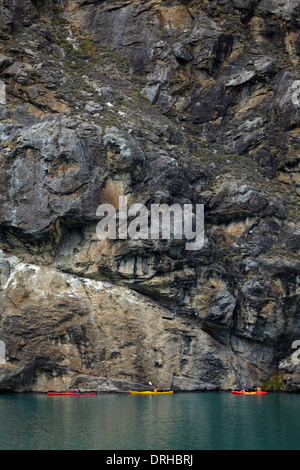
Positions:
{"x": 150, "y": 393}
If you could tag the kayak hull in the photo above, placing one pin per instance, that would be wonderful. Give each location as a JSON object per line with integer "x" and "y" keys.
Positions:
{"x": 248, "y": 393}
{"x": 132, "y": 392}
{"x": 69, "y": 393}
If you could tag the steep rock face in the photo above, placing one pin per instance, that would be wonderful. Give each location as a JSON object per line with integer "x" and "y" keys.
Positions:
{"x": 63, "y": 331}
{"x": 229, "y": 67}
{"x": 163, "y": 102}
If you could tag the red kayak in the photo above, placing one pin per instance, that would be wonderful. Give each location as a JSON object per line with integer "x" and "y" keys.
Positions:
{"x": 70, "y": 393}
{"x": 248, "y": 393}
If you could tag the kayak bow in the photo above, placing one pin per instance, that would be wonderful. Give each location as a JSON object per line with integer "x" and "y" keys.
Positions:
{"x": 132, "y": 392}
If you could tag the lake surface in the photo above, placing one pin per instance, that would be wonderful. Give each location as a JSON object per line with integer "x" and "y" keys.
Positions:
{"x": 183, "y": 421}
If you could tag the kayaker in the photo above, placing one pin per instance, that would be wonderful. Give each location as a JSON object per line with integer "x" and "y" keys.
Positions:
{"x": 156, "y": 390}
{"x": 77, "y": 390}
{"x": 258, "y": 388}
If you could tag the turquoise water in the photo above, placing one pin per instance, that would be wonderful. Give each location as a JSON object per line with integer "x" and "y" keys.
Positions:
{"x": 183, "y": 421}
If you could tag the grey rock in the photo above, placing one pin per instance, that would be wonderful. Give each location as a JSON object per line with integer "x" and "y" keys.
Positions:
{"x": 219, "y": 127}
{"x": 181, "y": 53}
{"x": 151, "y": 92}
{"x": 93, "y": 107}
{"x": 223, "y": 308}
{"x": 5, "y": 62}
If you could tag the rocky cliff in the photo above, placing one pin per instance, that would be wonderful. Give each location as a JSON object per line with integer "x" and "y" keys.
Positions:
{"x": 162, "y": 101}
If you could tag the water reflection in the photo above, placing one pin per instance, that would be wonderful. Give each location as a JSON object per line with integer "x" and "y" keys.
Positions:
{"x": 171, "y": 422}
